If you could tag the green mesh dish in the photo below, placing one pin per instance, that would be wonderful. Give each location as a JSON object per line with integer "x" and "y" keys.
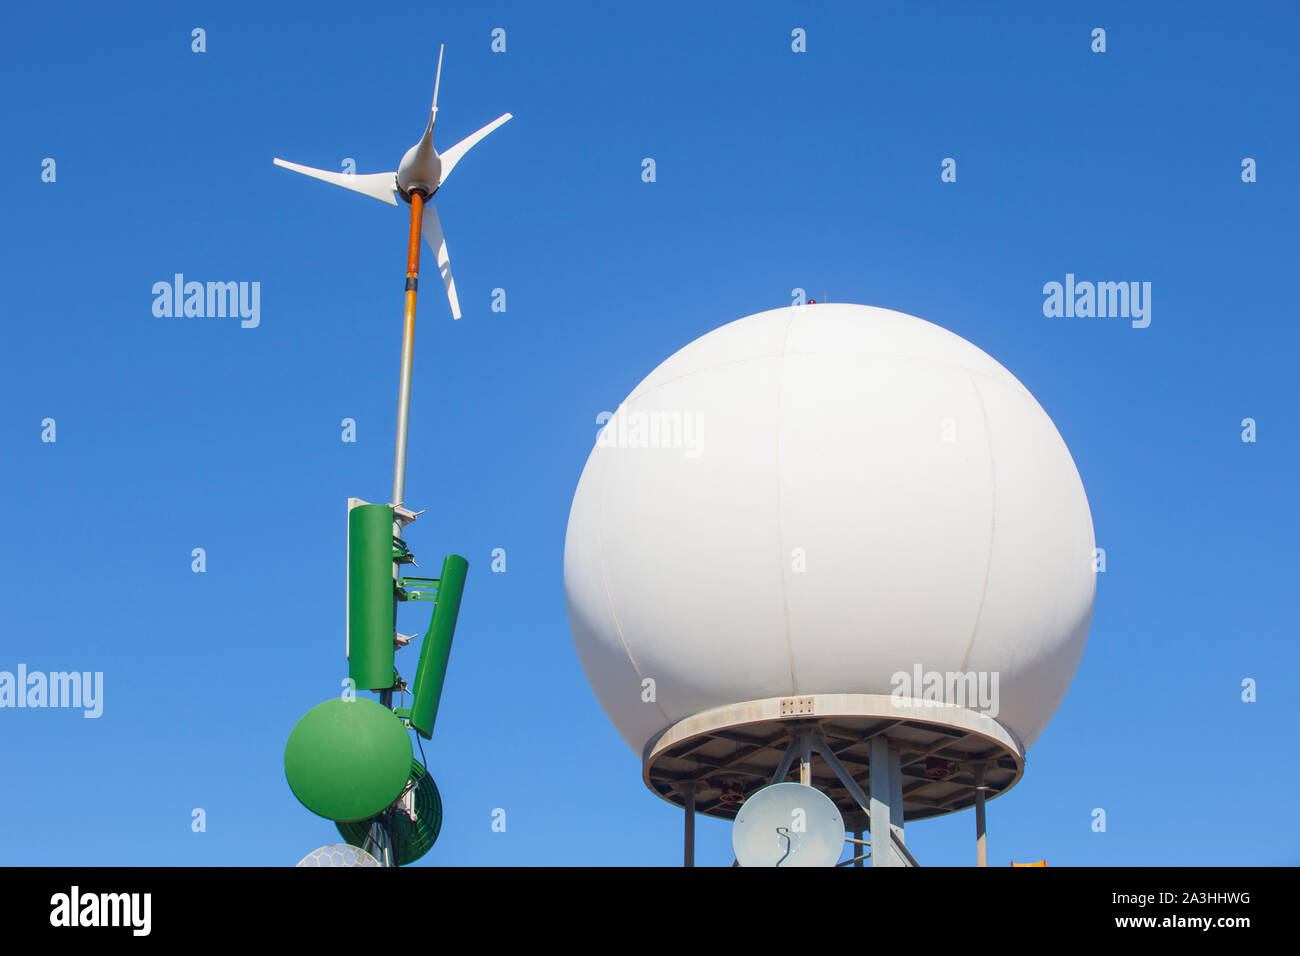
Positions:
{"x": 410, "y": 840}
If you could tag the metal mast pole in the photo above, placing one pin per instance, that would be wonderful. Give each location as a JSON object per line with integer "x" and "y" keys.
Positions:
{"x": 385, "y": 821}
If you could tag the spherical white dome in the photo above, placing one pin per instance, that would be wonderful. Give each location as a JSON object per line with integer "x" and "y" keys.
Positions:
{"x": 812, "y": 499}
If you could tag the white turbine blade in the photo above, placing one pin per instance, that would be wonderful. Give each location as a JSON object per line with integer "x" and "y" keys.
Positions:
{"x": 454, "y": 155}
{"x": 432, "y": 230}
{"x": 381, "y": 186}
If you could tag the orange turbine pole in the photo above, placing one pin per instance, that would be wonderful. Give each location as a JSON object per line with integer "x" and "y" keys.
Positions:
{"x": 408, "y": 347}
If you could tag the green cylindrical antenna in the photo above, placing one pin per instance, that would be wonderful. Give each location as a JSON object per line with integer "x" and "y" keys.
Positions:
{"x": 426, "y": 690}
{"x": 370, "y": 596}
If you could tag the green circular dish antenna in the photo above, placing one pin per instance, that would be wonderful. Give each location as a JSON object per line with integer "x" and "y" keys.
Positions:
{"x": 411, "y": 839}
{"x": 348, "y": 759}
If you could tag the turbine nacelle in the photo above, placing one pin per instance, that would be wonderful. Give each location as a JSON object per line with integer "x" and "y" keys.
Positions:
{"x": 421, "y": 168}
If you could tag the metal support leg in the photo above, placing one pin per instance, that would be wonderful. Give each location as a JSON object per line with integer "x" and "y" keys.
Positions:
{"x": 688, "y": 792}
{"x": 895, "y": 794}
{"x": 857, "y": 847}
{"x": 881, "y": 836}
{"x": 981, "y": 834}
{"x": 842, "y": 772}
{"x": 804, "y": 740}
{"x": 903, "y": 855}
{"x": 786, "y": 759}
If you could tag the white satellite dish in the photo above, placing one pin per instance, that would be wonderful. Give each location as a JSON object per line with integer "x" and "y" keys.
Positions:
{"x": 339, "y": 854}
{"x": 788, "y": 824}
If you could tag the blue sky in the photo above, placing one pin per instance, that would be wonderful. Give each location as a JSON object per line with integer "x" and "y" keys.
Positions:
{"x": 775, "y": 170}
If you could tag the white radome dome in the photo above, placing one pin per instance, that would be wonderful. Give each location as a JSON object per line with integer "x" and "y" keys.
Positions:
{"x": 935, "y": 511}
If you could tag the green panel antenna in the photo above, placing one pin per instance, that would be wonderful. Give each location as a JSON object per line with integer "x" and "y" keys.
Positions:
{"x": 426, "y": 691}
{"x": 371, "y": 627}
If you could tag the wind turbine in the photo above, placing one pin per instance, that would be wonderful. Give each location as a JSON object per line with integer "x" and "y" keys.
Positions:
{"x": 421, "y": 173}
{"x": 350, "y": 764}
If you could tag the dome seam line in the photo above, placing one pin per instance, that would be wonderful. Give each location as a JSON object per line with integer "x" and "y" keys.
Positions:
{"x": 609, "y": 601}
{"x": 993, "y": 525}
{"x": 785, "y": 589}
